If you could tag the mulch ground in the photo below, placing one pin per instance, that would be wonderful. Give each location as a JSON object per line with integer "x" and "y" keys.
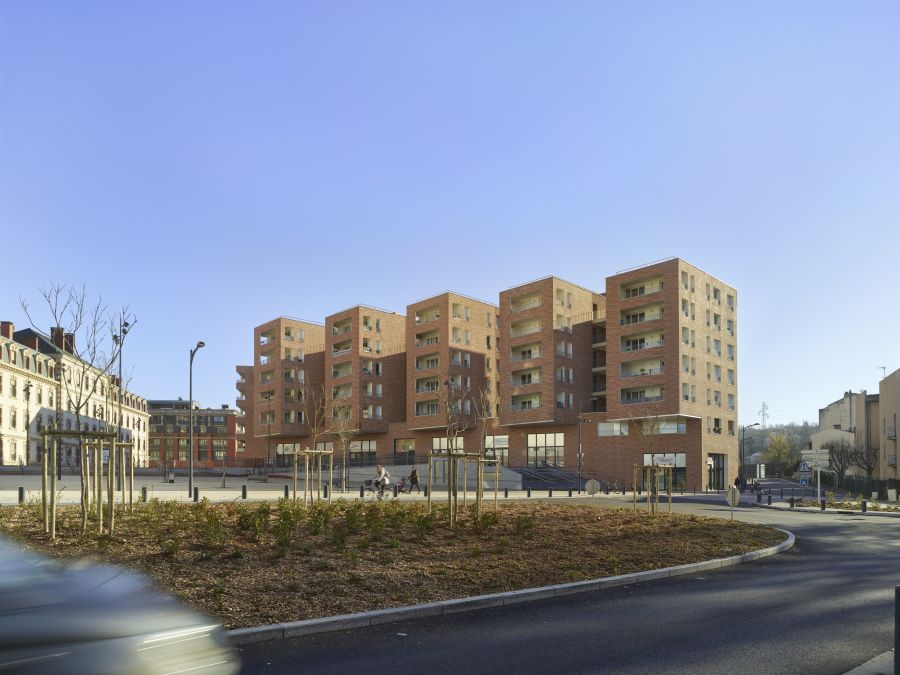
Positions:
{"x": 254, "y": 564}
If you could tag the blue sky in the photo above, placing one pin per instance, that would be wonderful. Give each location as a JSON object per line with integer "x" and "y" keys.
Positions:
{"x": 216, "y": 164}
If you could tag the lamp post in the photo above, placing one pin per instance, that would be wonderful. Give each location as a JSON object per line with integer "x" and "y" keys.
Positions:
{"x": 743, "y": 433}
{"x": 581, "y": 420}
{"x": 119, "y": 340}
{"x": 27, "y": 389}
{"x": 191, "y": 418}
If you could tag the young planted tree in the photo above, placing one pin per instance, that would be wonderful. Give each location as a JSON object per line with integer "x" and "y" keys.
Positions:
{"x": 841, "y": 457}
{"x": 483, "y": 404}
{"x": 345, "y": 432}
{"x": 452, "y": 397}
{"x": 80, "y": 329}
{"x": 315, "y": 406}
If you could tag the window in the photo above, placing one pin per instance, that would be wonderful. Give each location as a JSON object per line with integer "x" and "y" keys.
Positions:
{"x": 717, "y": 373}
{"x": 497, "y": 447}
{"x": 717, "y": 347}
{"x": 678, "y": 462}
{"x": 405, "y": 450}
{"x": 612, "y": 428}
{"x": 362, "y": 453}
{"x": 546, "y": 450}
{"x": 731, "y": 401}
{"x": 731, "y": 427}
{"x": 730, "y": 376}
{"x": 685, "y": 363}
{"x": 730, "y": 352}
{"x": 440, "y": 444}
{"x": 685, "y": 395}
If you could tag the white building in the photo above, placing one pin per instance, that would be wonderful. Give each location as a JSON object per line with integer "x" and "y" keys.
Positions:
{"x": 30, "y": 392}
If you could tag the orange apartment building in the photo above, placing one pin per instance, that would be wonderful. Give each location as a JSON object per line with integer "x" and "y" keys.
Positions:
{"x": 580, "y": 380}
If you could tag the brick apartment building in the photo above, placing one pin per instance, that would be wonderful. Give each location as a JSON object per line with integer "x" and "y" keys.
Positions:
{"x": 217, "y": 436}
{"x": 562, "y": 364}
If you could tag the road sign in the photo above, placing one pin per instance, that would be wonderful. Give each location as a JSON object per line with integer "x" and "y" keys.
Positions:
{"x": 804, "y": 466}
{"x": 733, "y": 496}
{"x": 592, "y": 487}
{"x": 804, "y": 482}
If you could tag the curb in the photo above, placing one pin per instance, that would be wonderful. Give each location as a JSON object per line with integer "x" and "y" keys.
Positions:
{"x": 246, "y": 636}
{"x": 840, "y": 512}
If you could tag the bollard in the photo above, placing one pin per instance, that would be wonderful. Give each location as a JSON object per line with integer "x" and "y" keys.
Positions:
{"x": 864, "y": 506}
{"x": 196, "y": 494}
{"x": 607, "y": 490}
{"x": 21, "y": 495}
{"x": 395, "y": 491}
{"x": 426, "y": 490}
{"x": 695, "y": 488}
{"x": 570, "y": 493}
{"x": 243, "y": 492}
{"x": 759, "y": 497}
{"x": 770, "y": 499}
{"x": 529, "y": 493}
{"x": 897, "y": 629}
{"x": 506, "y": 493}
{"x": 362, "y": 491}
{"x": 144, "y": 494}
{"x": 325, "y": 491}
{"x": 286, "y": 492}
{"x": 549, "y": 493}
{"x": 822, "y": 505}
{"x": 791, "y": 499}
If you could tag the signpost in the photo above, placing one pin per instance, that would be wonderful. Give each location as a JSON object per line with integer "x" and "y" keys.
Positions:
{"x": 733, "y": 497}
{"x": 592, "y": 487}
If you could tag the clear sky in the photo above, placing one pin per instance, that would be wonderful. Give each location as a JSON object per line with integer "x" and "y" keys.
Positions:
{"x": 217, "y": 164}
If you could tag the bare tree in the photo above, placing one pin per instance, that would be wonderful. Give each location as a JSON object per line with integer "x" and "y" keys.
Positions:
{"x": 79, "y": 329}
{"x": 866, "y": 458}
{"x": 315, "y": 406}
{"x": 345, "y": 432}
{"x": 483, "y": 404}
{"x": 841, "y": 457}
{"x": 452, "y": 397}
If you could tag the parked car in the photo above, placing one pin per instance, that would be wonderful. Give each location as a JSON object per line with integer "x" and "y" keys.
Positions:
{"x": 74, "y": 617}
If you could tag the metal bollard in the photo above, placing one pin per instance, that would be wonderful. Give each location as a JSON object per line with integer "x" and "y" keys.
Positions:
{"x": 325, "y": 491}
{"x": 21, "y": 495}
{"x": 362, "y": 491}
{"x": 822, "y": 505}
{"x": 243, "y": 492}
{"x": 286, "y": 492}
{"x": 144, "y": 494}
{"x": 770, "y": 499}
{"x": 864, "y": 506}
{"x": 427, "y": 489}
{"x": 196, "y": 494}
{"x": 782, "y": 493}
{"x": 759, "y": 497}
{"x": 549, "y": 493}
{"x": 529, "y": 493}
{"x": 395, "y": 491}
{"x": 570, "y": 493}
{"x": 506, "y": 493}
{"x": 791, "y": 499}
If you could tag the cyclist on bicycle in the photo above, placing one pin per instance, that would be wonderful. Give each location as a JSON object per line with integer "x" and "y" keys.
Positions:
{"x": 381, "y": 478}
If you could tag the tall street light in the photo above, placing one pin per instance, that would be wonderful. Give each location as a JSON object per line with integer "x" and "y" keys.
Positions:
{"x": 191, "y": 418}
{"x": 119, "y": 340}
{"x": 743, "y": 432}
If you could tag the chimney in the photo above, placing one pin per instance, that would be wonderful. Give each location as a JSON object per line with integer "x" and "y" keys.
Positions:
{"x": 56, "y": 337}
{"x": 69, "y": 340}
{"x": 7, "y": 329}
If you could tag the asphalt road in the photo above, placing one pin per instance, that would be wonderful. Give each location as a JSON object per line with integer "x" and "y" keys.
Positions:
{"x": 825, "y": 606}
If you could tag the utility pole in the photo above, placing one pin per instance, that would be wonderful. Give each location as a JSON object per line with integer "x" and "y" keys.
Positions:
{"x": 764, "y": 414}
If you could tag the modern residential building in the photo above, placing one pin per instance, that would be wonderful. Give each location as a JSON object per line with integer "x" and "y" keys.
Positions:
{"x": 583, "y": 381}
{"x": 217, "y": 437}
{"x": 41, "y": 375}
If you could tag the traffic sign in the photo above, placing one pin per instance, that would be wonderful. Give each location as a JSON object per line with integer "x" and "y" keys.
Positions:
{"x": 592, "y": 487}
{"x": 804, "y": 482}
{"x": 804, "y": 466}
{"x": 733, "y": 496}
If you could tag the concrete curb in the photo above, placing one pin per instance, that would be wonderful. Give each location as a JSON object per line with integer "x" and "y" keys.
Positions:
{"x": 840, "y": 512}
{"x": 245, "y": 636}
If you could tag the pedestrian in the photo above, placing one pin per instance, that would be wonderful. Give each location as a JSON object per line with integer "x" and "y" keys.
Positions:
{"x": 414, "y": 480}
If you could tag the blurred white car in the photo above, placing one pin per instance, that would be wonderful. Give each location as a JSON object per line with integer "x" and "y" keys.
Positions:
{"x": 73, "y": 618}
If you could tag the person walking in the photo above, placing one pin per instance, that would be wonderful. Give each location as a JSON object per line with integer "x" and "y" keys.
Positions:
{"x": 414, "y": 480}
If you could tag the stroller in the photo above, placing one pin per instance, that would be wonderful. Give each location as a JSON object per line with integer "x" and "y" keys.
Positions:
{"x": 401, "y": 484}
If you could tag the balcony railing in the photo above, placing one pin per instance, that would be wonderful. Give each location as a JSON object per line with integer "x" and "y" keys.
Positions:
{"x": 521, "y": 307}
{"x": 341, "y": 373}
{"x": 427, "y": 319}
{"x": 517, "y": 407}
{"x": 627, "y": 321}
{"x": 644, "y": 371}
{"x": 642, "y": 399}
{"x": 424, "y": 412}
{"x": 340, "y": 330}
{"x": 266, "y": 340}
{"x": 341, "y": 394}
{"x": 428, "y": 341}
{"x": 519, "y": 357}
{"x": 524, "y": 381}
{"x": 342, "y": 350}
{"x": 643, "y": 345}
{"x": 528, "y": 330}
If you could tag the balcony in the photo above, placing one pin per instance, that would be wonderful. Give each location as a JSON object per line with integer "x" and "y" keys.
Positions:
{"x": 525, "y": 353}
{"x": 341, "y": 348}
{"x": 427, "y": 408}
{"x": 528, "y": 402}
{"x": 523, "y": 379}
{"x": 266, "y": 339}
{"x": 341, "y": 329}
{"x": 341, "y": 372}
{"x": 524, "y": 304}
{"x": 642, "y": 399}
{"x": 518, "y": 407}
{"x": 341, "y": 393}
{"x": 428, "y": 363}
{"x": 427, "y": 316}
{"x": 518, "y": 330}
{"x": 629, "y": 347}
{"x": 650, "y": 369}
{"x": 640, "y": 317}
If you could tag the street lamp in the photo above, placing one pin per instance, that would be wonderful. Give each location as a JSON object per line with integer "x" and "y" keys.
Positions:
{"x": 743, "y": 432}
{"x": 581, "y": 420}
{"x": 27, "y": 389}
{"x": 191, "y": 418}
{"x": 119, "y": 340}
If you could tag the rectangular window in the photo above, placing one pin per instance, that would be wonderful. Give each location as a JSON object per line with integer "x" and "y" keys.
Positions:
{"x": 405, "y": 450}
{"x": 612, "y": 428}
{"x": 497, "y": 448}
{"x": 546, "y": 450}
{"x": 362, "y": 453}
{"x": 440, "y": 444}
{"x": 678, "y": 462}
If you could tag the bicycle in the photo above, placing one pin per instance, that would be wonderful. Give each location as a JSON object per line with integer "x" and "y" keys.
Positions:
{"x": 374, "y": 493}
